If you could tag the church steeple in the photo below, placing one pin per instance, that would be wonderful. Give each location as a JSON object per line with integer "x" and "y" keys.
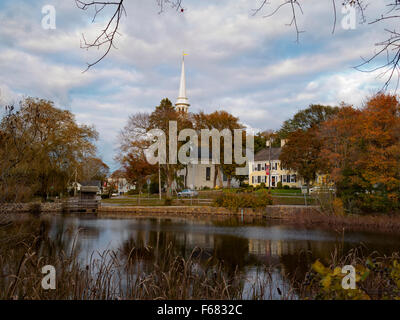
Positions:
{"x": 182, "y": 103}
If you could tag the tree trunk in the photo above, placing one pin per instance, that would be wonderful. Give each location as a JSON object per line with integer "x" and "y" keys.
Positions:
{"x": 186, "y": 175}
{"x": 215, "y": 176}
{"x": 220, "y": 178}
{"x": 169, "y": 183}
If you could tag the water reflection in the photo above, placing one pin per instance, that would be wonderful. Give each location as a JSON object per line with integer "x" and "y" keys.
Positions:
{"x": 245, "y": 246}
{"x": 237, "y": 243}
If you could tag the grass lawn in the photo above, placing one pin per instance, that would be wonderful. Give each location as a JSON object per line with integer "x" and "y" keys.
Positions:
{"x": 206, "y": 197}
{"x": 285, "y": 191}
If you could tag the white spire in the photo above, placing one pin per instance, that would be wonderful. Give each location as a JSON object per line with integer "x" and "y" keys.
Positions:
{"x": 182, "y": 103}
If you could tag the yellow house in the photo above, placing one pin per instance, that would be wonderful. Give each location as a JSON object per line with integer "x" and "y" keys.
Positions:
{"x": 259, "y": 167}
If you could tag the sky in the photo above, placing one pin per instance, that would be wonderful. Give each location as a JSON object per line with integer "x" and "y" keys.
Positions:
{"x": 250, "y": 66}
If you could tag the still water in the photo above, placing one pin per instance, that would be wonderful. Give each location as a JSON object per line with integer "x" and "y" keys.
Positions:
{"x": 241, "y": 245}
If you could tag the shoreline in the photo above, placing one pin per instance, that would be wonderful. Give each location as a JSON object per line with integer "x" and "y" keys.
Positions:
{"x": 305, "y": 216}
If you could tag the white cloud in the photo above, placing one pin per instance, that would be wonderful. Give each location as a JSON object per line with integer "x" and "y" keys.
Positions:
{"x": 249, "y": 66}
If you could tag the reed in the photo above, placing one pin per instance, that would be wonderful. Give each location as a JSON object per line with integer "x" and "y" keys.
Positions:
{"x": 121, "y": 274}
{"x": 384, "y": 223}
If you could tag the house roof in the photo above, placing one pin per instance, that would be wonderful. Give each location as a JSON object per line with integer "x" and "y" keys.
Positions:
{"x": 89, "y": 189}
{"x": 92, "y": 183}
{"x": 263, "y": 155}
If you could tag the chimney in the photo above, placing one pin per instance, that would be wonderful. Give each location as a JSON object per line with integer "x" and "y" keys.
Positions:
{"x": 283, "y": 142}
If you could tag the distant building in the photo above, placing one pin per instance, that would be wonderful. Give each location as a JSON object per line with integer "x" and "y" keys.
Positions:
{"x": 94, "y": 184}
{"x": 121, "y": 185}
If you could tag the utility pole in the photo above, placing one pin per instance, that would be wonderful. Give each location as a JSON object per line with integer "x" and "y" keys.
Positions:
{"x": 268, "y": 143}
{"x": 75, "y": 186}
{"x": 159, "y": 180}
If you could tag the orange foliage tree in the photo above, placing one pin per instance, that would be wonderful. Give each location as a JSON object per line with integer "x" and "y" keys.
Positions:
{"x": 362, "y": 150}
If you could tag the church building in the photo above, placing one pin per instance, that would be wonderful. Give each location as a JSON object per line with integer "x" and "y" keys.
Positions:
{"x": 198, "y": 176}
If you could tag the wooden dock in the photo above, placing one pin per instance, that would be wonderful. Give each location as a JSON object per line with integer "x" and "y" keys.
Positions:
{"x": 81, "y": 205}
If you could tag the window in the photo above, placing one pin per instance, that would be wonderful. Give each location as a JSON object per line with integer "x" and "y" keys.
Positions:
{"x": 259, "y": 167}
{"x": 224, "y": 177}
{"x": 259, "y": 179}
{"x": 293, "y": 178}
{"x": 252, "y": 179}
{"x": 208, "y": 173}
{"x": 283, "y": 178}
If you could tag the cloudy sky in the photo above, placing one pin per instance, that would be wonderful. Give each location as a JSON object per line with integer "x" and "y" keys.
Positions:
{"x": 248, "y": 65}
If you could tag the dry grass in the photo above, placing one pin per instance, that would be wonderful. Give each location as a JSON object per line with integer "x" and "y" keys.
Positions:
{"x": 380, "y": 223}
{"x": 120, "y": 274}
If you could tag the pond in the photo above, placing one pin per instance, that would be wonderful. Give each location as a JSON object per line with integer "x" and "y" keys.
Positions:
{"x": 243, "y": 246}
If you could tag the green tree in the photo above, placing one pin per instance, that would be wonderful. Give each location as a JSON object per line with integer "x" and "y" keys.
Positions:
{"x": 302, "y": 149}
{"x": 306, "y": 119}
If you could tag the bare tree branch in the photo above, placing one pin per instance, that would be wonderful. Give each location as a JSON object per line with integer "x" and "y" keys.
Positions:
{"x": 389, "y": 47}
{"x": 107, "y": 36}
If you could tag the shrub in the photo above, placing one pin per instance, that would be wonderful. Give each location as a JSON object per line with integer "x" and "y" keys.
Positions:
{"x": 35, "y": 208}
{"x": 132, "y": 192}
{"x": 154, "y": 188}
{"x": 337, "y": 205}
{"x": 286, "y": 187}
{"x": 167, "y": 201}
{"x": 236, "y": 201}
{"x": 279, "y": 185}
{"x": 105, "y": 196}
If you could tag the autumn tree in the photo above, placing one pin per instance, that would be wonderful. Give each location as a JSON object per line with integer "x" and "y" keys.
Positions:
{"x": 160, "y": 119}
{"x": 93, "y": 168}
{"x": 43, "y": 146}
{"x": 137, "y": 170}
{"x": 362, "y": 148}
{"x": 301, "y": 153}
{"x": 221, "y": 120}
{"x": 135, "y": 140}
